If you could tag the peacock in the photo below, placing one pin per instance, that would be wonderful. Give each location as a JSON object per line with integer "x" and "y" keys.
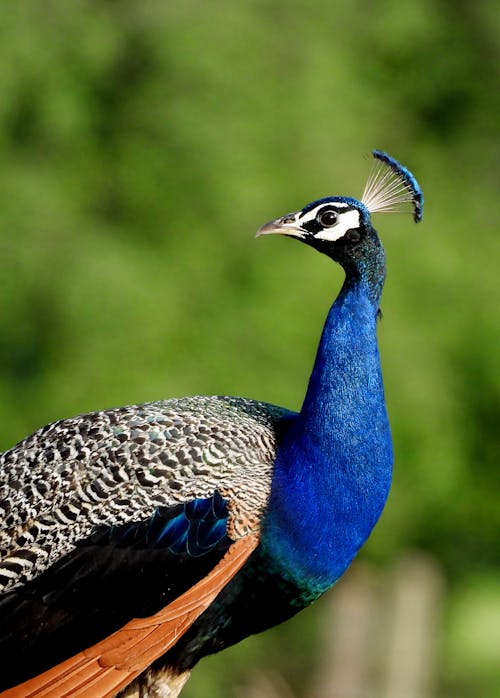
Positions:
{"x": 135, "y": 541}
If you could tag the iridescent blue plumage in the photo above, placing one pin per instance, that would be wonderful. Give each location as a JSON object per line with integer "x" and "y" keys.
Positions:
{"x": 192, "y": 528}
{"x": 320, "y": 515}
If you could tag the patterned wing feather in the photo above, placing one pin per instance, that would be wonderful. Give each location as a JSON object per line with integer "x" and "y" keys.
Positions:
{"x": 116, "y": 514}
{"x": 118, "y": 466}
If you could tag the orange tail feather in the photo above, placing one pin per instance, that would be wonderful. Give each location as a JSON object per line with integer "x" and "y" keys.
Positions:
{"x": 108, "y": 666}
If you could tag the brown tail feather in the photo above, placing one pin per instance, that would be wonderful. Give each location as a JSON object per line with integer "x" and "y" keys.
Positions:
{"x": 103, "y": 669}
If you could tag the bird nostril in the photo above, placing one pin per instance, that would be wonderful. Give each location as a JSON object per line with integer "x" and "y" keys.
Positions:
{"x": 288, "y": 219}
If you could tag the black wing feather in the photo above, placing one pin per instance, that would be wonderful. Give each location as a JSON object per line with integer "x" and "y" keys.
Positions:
{"x": 118, "y": 573}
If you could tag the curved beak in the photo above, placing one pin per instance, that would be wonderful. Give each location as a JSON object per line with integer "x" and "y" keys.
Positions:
{"x": 286, "y": 225}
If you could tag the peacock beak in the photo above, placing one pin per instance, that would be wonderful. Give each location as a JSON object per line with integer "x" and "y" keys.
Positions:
{"x": 286, "y": 225}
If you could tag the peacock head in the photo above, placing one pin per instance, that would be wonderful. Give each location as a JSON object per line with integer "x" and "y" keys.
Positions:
{"x": 341, "y": 227}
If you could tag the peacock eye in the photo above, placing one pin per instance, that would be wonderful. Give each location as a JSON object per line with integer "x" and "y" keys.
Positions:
{"x": 328, "y": 218}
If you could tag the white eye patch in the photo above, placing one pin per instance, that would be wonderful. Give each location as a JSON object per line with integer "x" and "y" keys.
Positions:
{"x": 347, "y": 220}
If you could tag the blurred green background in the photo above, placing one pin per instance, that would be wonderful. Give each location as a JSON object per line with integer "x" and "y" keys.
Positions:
{"x": 143, "y": 143}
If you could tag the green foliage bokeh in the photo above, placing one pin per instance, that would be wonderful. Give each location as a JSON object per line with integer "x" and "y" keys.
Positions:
{"x": 141, "y": 146}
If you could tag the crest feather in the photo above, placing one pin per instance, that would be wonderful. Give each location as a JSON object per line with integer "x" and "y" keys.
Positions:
{"x": 390, "y": 187}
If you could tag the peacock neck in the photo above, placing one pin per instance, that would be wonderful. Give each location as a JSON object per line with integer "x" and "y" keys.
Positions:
{"x": 346, "y": 368}
{"x": 333, "y": 467}
{"x": 345, "y": 391}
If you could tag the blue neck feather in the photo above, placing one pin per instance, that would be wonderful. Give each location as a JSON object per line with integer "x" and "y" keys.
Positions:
{"x": 334, "y": 464}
